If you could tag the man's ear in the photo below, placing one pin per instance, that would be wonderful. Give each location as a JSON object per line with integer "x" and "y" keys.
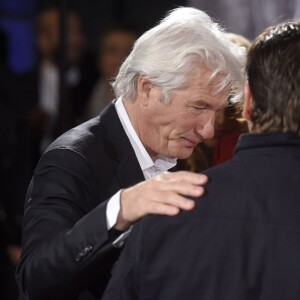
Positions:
{"x": 144, "y": 88}
{"x": 248, "y": 101}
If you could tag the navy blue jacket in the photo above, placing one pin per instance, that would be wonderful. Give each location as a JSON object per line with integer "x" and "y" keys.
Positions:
{"x": 241, "y": 242}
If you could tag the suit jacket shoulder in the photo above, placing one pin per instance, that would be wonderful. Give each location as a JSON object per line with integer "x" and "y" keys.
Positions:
{"x": 240, "y": 242}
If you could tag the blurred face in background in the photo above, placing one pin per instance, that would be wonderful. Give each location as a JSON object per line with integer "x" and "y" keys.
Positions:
{"x": 76, "y": 39}
{"x": 115, "y": 47}
{"x": 48, "y": 36}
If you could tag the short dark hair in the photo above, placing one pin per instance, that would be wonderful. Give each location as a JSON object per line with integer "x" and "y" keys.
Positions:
{"x": 273, "y": 68}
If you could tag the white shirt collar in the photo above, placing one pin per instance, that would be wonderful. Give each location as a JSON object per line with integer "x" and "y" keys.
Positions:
{"x": 147, "y": 165}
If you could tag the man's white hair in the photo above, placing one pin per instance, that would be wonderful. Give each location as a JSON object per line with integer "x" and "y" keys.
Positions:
{"x": 185, "y": 39}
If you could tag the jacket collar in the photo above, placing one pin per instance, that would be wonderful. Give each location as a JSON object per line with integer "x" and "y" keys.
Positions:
{"x": 263, "y": 142}
{"x": 118, "y": 147}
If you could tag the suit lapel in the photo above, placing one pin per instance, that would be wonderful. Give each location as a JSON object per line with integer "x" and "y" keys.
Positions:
{"x": 128, "y": 170}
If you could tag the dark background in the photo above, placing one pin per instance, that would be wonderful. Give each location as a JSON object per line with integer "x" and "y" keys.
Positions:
{"x": 247, "y": 17}
{"x": 17, "y": 19}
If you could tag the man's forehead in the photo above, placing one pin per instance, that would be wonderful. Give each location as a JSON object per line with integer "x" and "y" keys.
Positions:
{"x": 209, "y": 83}
{"x": 201, "y": 76}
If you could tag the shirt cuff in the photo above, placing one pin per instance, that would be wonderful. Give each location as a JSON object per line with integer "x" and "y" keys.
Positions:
{"x": 119, "y": 242}
{"x": 112, "y": 210}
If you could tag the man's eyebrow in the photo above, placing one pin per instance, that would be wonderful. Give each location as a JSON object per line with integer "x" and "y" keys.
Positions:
{"x": 207, "y": 104}
{"x": 200, "y": 102}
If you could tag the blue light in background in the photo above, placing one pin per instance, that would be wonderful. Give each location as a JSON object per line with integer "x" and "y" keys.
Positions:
{"x": 17, "y": 21}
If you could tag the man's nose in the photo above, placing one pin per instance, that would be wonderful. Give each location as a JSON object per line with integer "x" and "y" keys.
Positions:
{"x": 207, "y": 128}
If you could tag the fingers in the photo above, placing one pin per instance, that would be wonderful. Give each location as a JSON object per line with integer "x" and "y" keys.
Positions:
{"x": 182, "y": 182}
{"x": 174, "y": 200}
{"x": 163, "y": 194}
{"x": 167, "y": 203}
{"x": 162, "y": 209}
{"x": 185, "y": 176}
{"x": 182, "y": 188}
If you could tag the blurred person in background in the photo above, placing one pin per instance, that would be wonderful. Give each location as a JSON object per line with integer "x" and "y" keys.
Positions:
{"x": 233, "y": 124}
{"x": 114, "y": 46}
{"x": 47, "y": 118}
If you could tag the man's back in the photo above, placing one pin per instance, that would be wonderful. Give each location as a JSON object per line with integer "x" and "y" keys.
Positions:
{"x": 242, "y": 241}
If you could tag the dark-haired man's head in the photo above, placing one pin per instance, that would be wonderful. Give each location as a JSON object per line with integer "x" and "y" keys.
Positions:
{"x": 272, "y": 97}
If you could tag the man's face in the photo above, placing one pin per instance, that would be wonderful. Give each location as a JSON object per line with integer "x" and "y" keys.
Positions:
{"x": 175, "y": 129}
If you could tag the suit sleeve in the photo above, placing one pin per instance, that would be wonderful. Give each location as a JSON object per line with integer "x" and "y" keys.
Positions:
{"x": 66, "y": 247}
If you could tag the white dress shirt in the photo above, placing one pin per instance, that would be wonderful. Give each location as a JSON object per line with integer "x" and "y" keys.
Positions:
{"x": 149, "y": 168}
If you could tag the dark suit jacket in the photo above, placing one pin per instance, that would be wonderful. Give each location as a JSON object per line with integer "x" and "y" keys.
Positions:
{"x": 66, "y": 245}
{"x": 242, "y": 241}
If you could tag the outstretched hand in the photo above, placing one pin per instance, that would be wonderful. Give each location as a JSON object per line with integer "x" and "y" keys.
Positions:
{"x": 162, "y": 194}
